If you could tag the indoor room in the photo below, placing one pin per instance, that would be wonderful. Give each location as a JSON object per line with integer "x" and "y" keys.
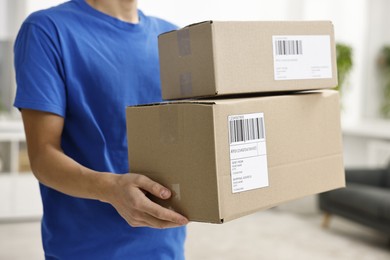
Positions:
{"x": 322, "y": 139}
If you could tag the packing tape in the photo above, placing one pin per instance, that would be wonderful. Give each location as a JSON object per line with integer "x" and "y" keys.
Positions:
{"x": 169, "y": 126}
{"x": 175, "y": 188}
{"x": 183, "y": 42}
{"x": 186, "y": 83}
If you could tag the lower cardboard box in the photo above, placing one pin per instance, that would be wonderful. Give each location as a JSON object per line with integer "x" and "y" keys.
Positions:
{"x": 227, "y": 158}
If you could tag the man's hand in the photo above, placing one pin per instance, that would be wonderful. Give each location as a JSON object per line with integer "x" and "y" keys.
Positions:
{"x": 129, "y": 199}
{"x": 58, "y": 171}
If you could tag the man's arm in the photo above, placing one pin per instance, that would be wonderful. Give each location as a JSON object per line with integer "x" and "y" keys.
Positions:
{"x": 125, "y": 192}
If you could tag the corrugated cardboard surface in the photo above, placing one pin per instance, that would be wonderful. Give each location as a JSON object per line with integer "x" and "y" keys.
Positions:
{"x": 304, "y": 149}
{"x": 174, "y": 145}
{"x": 218, "y": 58}
{"x": 185, "y": 146}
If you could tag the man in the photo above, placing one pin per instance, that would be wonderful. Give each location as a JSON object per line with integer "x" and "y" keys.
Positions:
{"x": 78, "y": 66}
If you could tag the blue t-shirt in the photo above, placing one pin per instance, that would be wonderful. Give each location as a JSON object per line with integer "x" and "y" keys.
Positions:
{"x": 86, "y": 66}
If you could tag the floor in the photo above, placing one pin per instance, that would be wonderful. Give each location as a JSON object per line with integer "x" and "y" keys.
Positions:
{"x": 279, "y": 233}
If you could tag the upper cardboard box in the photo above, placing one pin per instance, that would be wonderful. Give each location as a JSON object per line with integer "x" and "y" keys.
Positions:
{"x": 219, "y": 58}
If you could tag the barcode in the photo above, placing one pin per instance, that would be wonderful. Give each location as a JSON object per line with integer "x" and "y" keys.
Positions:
{"x": 242, "y": 130}
{"x": 288, "y": 47}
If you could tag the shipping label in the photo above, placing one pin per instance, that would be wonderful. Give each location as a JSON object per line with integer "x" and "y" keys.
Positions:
{"x": 302, "y": 57}
{"x": 248, "y": 154}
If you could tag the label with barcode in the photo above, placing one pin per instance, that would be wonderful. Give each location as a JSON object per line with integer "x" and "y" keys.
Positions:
{"x": 302, "y": 57}
{"x": 248, "y": 155}
{"x": 288, "y": 47}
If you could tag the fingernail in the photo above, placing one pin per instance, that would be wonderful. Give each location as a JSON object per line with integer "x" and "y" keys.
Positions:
{"x": 183, "y": 221}
{"x": 164, "y": 194}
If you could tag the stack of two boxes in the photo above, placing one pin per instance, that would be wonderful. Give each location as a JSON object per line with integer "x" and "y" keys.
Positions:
{"x": 250, "y": 138}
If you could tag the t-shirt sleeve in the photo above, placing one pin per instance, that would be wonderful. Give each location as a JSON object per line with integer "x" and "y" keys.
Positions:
{"x": 39, "y": 71}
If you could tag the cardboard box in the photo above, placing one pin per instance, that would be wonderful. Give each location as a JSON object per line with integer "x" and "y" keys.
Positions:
{"x": 227, "y": 158}
{"x": 220, "y": 58}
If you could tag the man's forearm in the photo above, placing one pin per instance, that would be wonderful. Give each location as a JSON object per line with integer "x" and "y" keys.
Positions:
{"x": 56, "y": 170}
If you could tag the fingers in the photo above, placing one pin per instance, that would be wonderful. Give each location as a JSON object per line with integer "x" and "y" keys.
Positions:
{"x": 153, "y": 187}
{"x": 164, "y": 214}
{"x": 147, "y": 220}
{"x": 138, "y": 210}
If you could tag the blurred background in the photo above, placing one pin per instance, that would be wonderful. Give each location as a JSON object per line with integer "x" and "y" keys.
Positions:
{"x": 288, "y": 231}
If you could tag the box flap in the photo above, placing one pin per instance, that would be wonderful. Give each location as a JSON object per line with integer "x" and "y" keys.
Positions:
{"x": 204, "y": 22}
{"x": 235, "y": 99}
{"x": 187, "y": 26}
{"x": 200, "y": 102}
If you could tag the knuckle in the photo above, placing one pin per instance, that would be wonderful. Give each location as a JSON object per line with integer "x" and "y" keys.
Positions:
{"x": 130, "y": 221}
{"x": 155, "y": 188}
{"x": 133, "y": 218}
{"x": 135, "y": 203}
{"x": 138, "y": 178}
{"x": 133, "y": 222}
{"x": 158, "y": 214}
{"x": 137, "y": 217}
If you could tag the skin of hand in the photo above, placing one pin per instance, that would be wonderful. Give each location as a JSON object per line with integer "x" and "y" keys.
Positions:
{"x": 137, "y": 209}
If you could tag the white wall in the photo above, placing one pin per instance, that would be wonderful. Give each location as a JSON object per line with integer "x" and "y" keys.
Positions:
{"x": 186, "y": 12}
{"x": 3, "y": 20}
{"x": 350, "y": 19}
{"x": 11, "y": 15}
{"x": 34, "y": 5}
{"x": 377, "y": 37}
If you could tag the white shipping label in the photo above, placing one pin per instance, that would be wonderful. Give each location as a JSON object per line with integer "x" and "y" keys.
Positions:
{"x": 248, "y": 154}
{"x": 302, "y": 57}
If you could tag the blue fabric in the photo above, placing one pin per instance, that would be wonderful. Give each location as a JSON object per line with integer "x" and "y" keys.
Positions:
{"x": 86, "y": 66}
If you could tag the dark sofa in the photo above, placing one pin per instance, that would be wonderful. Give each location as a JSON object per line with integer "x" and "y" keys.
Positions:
{"x": 366, "y": 199}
